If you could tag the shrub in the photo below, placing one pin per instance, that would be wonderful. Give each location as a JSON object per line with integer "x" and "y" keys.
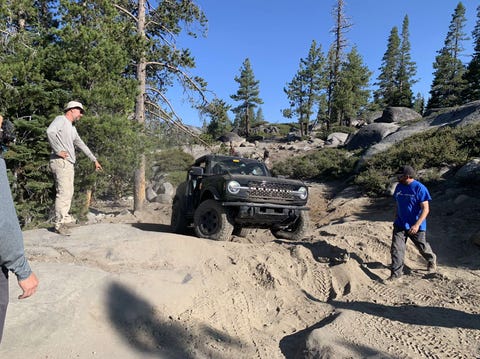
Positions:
{"x": 327, "y": 163}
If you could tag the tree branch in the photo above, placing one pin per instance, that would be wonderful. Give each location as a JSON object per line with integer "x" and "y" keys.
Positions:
{"x": 184, "y": 74}
{"x": 177, "y": 123}
{"x": 126, "y": 12}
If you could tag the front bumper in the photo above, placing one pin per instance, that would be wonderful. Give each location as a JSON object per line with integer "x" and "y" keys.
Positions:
{"x": 266, "y": 215}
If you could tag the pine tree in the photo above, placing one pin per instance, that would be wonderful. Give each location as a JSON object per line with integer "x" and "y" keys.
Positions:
{"x": 448, "y": 82}
{"x": 406, "y": 70}
{"x": 336, "y": 55}
{"x": 352, "y": 92}
{"x": 219, "y": 123}
{"x": 419, "y": 103}
{"x": 248, "y": 96}
{"x": 307, "y": 87}
{"x": 472, "y": 75}
{"x": 25, "y": 96}
{"x": 159, "y": 64}
{"x": 386, "y": 82}
{"x": 260, "y": 118}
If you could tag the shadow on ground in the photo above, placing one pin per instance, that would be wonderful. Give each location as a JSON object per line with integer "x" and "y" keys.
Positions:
{"x": 150, "y": 332}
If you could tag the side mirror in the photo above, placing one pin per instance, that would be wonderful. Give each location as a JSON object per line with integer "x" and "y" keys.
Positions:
{"x": 196, "y": 171}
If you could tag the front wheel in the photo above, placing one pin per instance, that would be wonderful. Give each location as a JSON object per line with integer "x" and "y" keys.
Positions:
{"x": 211, "y": 221}
{"x": 295, "y": 231}
{"x": 240, "y": 231}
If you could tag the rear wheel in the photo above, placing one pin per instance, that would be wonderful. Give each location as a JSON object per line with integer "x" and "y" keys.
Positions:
{"x": 295, "y": 231}
{"x": 178, "y": 223}
{"x": 211, "y": 221}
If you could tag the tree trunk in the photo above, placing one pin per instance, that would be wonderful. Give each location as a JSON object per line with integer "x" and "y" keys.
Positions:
{"x": 139, "y": 187}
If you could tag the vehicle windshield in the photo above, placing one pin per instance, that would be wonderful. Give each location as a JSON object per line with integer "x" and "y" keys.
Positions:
{"x": 239, "y": 166}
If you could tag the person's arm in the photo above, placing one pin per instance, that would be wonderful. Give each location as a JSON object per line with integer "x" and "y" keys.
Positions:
{"x": 12, "y": 253}
{"x": 425, "y": 206}
{"x": 78, "y": 142}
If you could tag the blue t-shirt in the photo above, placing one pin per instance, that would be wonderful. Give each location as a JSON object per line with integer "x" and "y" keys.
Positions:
{"x": 408, "y": 199}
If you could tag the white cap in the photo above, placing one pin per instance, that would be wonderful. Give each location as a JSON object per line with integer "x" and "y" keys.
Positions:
{"x": 74, "y": 104}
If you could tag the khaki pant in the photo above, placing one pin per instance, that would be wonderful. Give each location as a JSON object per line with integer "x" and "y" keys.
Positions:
{"x": 63, "y": 172}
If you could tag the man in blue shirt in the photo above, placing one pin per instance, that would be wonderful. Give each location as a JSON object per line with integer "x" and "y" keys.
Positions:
{"x": 412, "y": 209}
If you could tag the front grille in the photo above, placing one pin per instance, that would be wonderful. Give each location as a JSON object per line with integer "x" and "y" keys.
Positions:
{"x": 271, "y": 191}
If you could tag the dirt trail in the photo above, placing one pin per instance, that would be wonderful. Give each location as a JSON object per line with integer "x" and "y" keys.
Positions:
{"x": 132, "y": 289}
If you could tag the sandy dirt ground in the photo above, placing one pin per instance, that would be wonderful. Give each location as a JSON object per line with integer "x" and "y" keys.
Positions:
{"x": 129, "y": 288}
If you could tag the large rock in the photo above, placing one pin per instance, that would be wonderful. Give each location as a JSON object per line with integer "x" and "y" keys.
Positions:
{"x": 231, "y": 137}
{"x": 370, "y": 134}
{"x": 457, "y": 116}
{"x": 398, "y": 115}
{"x": 470, "y": 172}
{"x": 336, "y": 139}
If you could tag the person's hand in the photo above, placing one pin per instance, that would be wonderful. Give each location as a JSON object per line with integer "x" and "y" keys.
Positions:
{"x": 98, "y": 166}
{"x": 414, "y": 229}
{"x": 63, "y": 154}
{"x": 28, "y": 285}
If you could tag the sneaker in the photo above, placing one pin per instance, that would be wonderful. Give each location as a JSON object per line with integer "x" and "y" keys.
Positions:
{"x": 62, "y": 230}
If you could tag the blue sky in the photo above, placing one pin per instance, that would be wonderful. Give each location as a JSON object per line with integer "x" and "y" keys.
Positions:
{"x": 276, "y": 34}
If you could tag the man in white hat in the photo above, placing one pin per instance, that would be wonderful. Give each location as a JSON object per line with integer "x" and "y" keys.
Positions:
{"x": 63, "y": 138}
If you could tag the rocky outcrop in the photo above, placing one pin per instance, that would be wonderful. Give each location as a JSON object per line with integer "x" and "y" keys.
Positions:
{"x": 470, "y": 172}
{"x": 399, "y": 115}
{"x": 370, "y": 135}
{"x": 455, "y": 116}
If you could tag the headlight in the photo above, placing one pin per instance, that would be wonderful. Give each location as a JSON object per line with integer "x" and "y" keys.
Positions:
{"x": 302, "y": 192}
{"x": 233, "y": 187}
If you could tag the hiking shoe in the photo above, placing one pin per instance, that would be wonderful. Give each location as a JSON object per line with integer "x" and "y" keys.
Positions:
{"x": 393, "y": 278}
{"x": 432, "y": 267}
{"x": 62, "y": 230}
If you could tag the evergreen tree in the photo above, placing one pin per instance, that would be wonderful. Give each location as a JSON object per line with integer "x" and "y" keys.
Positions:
{"x": 260, "y": 118}
{"x": 248, "y": 96}
{"x": 25, "y": 96}
{"x": 219, "y": 123}
{"x": 448, "y": 82}
{"x": 386, "y": 82}
{"x": 305, "y": 90}
{"x": 406, "y": 70}
{"x": 472, "y": 75}
{"x": 352, "y": 92}
{"x": 336, "y": 55}
{"x": 419, "y": 103}
{"x": 159, "y": 64}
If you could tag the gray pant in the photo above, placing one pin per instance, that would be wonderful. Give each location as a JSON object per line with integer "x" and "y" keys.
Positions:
{"x": 399, "y": 246}
{"x": 3, "y": 298}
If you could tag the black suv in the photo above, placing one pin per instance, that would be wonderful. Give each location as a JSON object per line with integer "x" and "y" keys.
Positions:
{"x": 225, "y": 195}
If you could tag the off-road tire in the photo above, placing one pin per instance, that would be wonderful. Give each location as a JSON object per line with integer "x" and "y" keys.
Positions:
{"x": 241, "y": 231}
{"x": 178, "y": 223}
{"x": 296, "y": 231}
{"x": 212, "y": 221}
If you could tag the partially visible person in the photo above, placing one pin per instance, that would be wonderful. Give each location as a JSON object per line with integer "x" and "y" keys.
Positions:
{"x": 232, "y": 151}
{"x": 412, "y": 208}
{"x": 266, "y": 157}
{"x": 12, "y": 254}
{"x": 63, "y": 138}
